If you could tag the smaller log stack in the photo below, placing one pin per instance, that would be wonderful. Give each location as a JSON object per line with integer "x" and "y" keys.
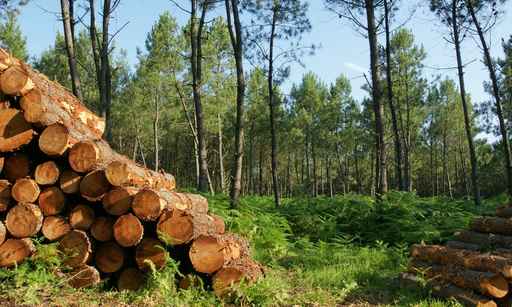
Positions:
{"x": 475, "y": 268}
{"x": 111, "y": 217}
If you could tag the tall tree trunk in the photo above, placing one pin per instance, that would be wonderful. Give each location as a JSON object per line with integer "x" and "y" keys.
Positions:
{"x": 260, "y": 172}
{"x": 315, "y": 179}
{"x": 221, "y": 157}
{"x": 237, "y": 44}
{"x": 389, "y": 79}
{"x": 497, "y": 96}
{"x": 69, "y": 39}
{"x": 196, "y": 31}
{"x": 155, "y": 129}
{"x": 272, "y": 105}
{"x": 377, "y": 99}
{"x": 251, "y": 159}
{"x": 467, "y": 121}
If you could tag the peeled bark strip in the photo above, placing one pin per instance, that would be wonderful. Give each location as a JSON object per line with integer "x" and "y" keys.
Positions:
{"x": 52, "y": 201}
{"x": 16, "y": 167}
{"x": 209, "y": 253}
{"x": 89, "y": 155}
{"x": 51, "y": 103}
{"x": 118, "y": 201}
{"x": 128, "y": 230}
{"x": 14, "y": 130}
{"x": 15, "y": 81}
{"x": 218, "y": 224}
{"x": 94, "y": 185}
{"x": 55, "y": 140}
{"x": 484, "y": 239}
{"x": 150, "y": 253}
{"x": 76, "y": 248}
{"x": 103, "y": 229}
{"x": 47, "y": 173}
{"x": 124, "y": 172}
{"x": 70, "y": 182}
{"x": 14, "y": 251}
{"x": 148, "y": 204}
{"x": 234, "y": 272}
{"x": 486, "y": 283}
{"x": 3, "y": 233}
{"x": 468, "y": 259}
{"x": 55, "y": 227}
{"x": 25, "y": 190}
{"x": 5, "y": 195}
{"x": 84, "y": 276}
{"x": 130, "y": 279}
{"x": 24, "y": 220}
{"x": 448, "y": 291}
{"x": 492, "y": 224}
{"x": 81, "y": 217}
{"x": 109, "y": 257}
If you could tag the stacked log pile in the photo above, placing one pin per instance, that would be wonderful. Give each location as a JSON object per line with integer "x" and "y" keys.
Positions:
{"x": 475, "y": 268}
{"x": 110, "y": 217}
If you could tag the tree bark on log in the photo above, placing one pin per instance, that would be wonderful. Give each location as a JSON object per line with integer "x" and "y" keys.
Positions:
{"x": 485, "y": 240}
{"x": 486, "y": 283}
{"x": 14, "y": 130}
{"x": 504, "y": 211}
{"x": 24, "y": 220}
{"x": 124, "y": 172}
{"x": 14, "y": 251}
{"x": 492, "y": 224}
{"x": 3, "y": 233}
{"x": 468, "y": 259}
{"x": 234, "y": 272}
{"x": 463, "y": 245}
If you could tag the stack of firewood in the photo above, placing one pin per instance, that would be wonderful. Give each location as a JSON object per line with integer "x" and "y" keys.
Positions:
{"x": 475, "y": 268}
{"x": 109, "y": 216}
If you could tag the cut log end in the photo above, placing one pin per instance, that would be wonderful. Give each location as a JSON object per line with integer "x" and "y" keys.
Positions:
{"x": 84, "y": 157}
{"x": 70, "y": 182}
{"x": 81, "y": 217}
{"x": 148, "y": 205}
{"x": 496, "y": 286}
{"x": 84, "y": 276}
{"x": 47, "y": 173}
{"x": 103, "y": 229}
{"x": 33, "y": 106}
{"x": 3, "y": 233}
{"x": 232, "y": 274}
{"x": 25, "y": 190}
{"x": 15, "y": 81}
{"x": 117, "y": 173}
{"x": 130, "y": 279}
{"x": 76, "y": 248}
{"x": 54, "y": 140}
{"x": 55, "y": 227}
{"x": 16, "y": 167}
{"x": 94, "y": 185}
{"x": 109, "y": 257}
{"x": 209, "y": 253}
{"x": 150, "y": 254}
{"x": 24, "y": 220}
{"x": 119, "y": 200}
{"x": 128, "y": 230}
{"x": 52, "y": 201}
{"x": 14, "y": 130}
{"x": 5, "y": 195}
{"x": 175, "y": 227}
{"x": 15, "y": 251}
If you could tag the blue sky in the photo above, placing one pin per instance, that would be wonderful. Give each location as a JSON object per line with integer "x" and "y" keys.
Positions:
{"x": 343, "y": 51}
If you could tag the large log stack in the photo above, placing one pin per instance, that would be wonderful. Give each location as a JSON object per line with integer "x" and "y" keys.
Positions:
{"x": 475, "y": 268}
{"x": 111, "y": 218}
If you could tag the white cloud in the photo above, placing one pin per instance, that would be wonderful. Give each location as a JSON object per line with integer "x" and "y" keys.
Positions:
{"x": 355, "y": 67}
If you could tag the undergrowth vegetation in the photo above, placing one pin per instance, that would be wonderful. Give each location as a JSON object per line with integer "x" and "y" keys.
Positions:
{"x": 340, "y": 251}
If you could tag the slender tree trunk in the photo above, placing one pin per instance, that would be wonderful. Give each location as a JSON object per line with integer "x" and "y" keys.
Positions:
{"x": 377, "y": 100}
{"x": 497, "y": 96}
{"x": 389, "y": 79}
{"x": 69, "y": 39}
{"x": 221, "y": 157}
{"x": 155, "y": 129}
{"x": 196, "y": 31}
{"x": 315, "y": 179}
{"x": 251, "y": 161}
{"x": 260, "y": 172}
{"x": 272, "y": 105}
{"x": 467, "y": 121}
{"x": 237, "y": 44}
